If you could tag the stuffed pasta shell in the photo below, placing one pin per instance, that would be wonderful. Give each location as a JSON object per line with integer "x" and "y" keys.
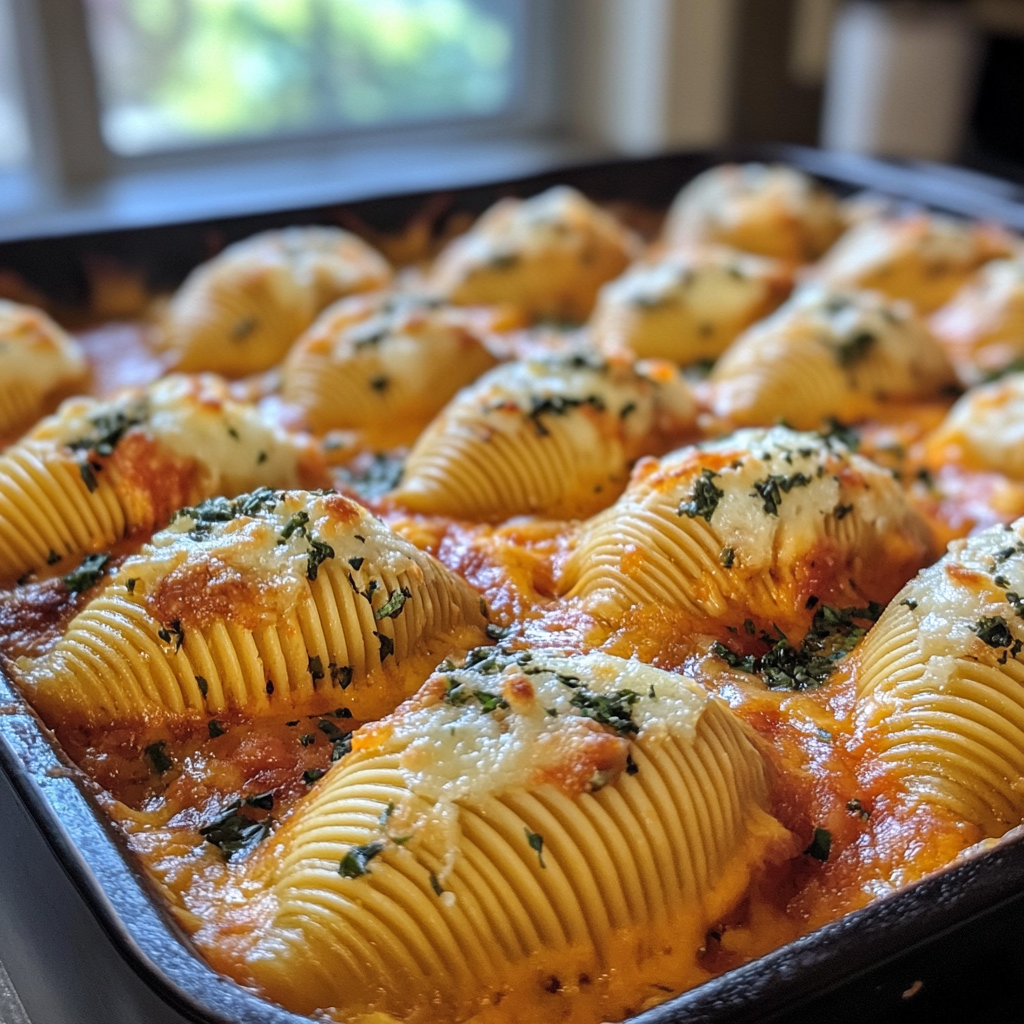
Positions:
{"x": 750, "y": 526}
{"x": 99, "y": 470}
{"x": 982, "y": 326}
{"x": 941, "y": 683}
{"x": 687, "y": 306}
{"x": 239, "y": 313}
{"x": 760, "y": 208}
{"x": 385, "y": 364}
{"x": 549, "y": 436}
{"x": 921, "y": 257}
{"x": 548, "y": 255}
{"x": 984, "y": 430}
{"x": 38, "y": 362}
{"x": 276, "y": 600}
{"x": 554, "y": 834}
{"x": 828, "y": 353}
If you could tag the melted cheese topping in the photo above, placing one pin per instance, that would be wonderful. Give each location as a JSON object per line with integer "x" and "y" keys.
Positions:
{"x": 239, "y": 312}
{"x": 551, "y": 436}
{"x": 686, "y": 306}
{"x": 772, "y": 210}
{"x": 921, "y": 257}
{"x": 386, "y": 364}
{"x": 941, "y": 684}
{"x": 548, "y": 255}
{"x": 36, "y": 359}
{"x": 828, "y": 354}
{"x": 984, "y": 429}
{"x": 750, "y": 525}
{"x": 982, "y": 326}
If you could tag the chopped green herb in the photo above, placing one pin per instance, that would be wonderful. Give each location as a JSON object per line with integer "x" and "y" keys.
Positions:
{"x": 821, "y": 845}
{"x": 52, "y": 558}
{"x": 771, "y": 489}
{"x": 745, "y": 663}
{"x": 307, "y": 738}
{"x": 727, "y": 556}
{"x": 393, "y": 606}
{"x": 909, "y": 602}
{"x": 341, "y": 675}
{"x": 631, "y": 766}
{"x": 156, "y": 754}
{"x": 85, "y": 471}
{"x": 215, "y": 729}
{"x": 204, "y": 686}
{"x": 235, "y": 832}
{"x": 109, "y": 428}
{"x": 311, "y": 775}
{"x": 296, "y": 525}
{"x": 856, "y": 807}
{"x": 612, "y": 710}
{"x": 842, "y": 511}
{"x": 340, "y": 740}
{"x": 839, "y": 433}
{"x": 705, "y": 499}
{"x": 387, "y": 645}
{"x": 536, "y": 842}
{"x": 356, "y": 862}
{"x": 87, "y": 575}
{"x": 319, "y": 552}
{"x": 130, "y": 584}
{"x": 356, "y": 563}
{"x": 315, "y": 667}
{"x": 172, "y": 634}
{"x": 261, "y": 801}
{"x": 994, "y": 631}
{"x": 435, "y": 885}
{"x": 269, "y": 687}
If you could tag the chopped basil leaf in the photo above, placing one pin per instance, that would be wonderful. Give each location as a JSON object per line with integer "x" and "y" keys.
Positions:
{"x": 204, "y": 686}
{"x": 156, "y": 754}
{"x": 821, "y": 845}
{"x": 311, "y": 775}
{"x": 315, "y": 667}
{"x": 172, "y": 634}
{"x": 341, "y": 675}
{"x": 235, "y": 832}
{"x": 727, "y": 557}
{"x": 261, "y": 801}
{"x": 435, "y": 885}
{"x": 215, "y": 729}
{"x": 705, "y": 499}
{"x": 87, "y": 575}
{"x": 393, "y": 606}
{"x": 536, "y": 842}
{"x": 356, "y": 862}
{"x": 319, "y": 552}
{"x": 387, "y": 645}
{"x": 611, "y": 709}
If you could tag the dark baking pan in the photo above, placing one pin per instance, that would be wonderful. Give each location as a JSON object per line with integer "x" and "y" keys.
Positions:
{"x": 72, "y": 897}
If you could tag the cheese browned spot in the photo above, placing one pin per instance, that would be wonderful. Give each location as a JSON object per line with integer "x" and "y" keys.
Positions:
{"x": 470, "y": 848}
{"x": 252, "y": 592}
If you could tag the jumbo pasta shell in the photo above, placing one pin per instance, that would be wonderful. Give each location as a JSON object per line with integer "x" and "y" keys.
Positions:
{"x": 921, "y": 257}
{"x": 984, "y": 430}
{"x": 37, "y": 362}
{"x": 240, "y": 312}
{"x": 482, "y": 871}
{"x": 767, "y": 209}
{"x": 552, "y": 437}
{"x": 384, "y": 364}
{"x": 687, "y": 306}
{"x": 548, "y": 255}
{"x": 940, "y": 685}
{"x": 97, "y": 471}
{"x": 828, "y": 354}
{"x": 275, "y": 601}
{"x": 751, "y": 526}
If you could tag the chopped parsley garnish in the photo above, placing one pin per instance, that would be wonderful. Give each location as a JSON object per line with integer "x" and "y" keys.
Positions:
{"x": 319, "y": 552}
{"x": 356, "y": 862}
{"x": 536, "y": 842}
{"x": 995, "y": 632}
{"x": 109, "y": 428}
{"x": 52, "y": 558}
{"x": 393, "y": 606}
{"x": 356, "y": 563}
{"x": 235, "y": 832}
{"x": 341, "y": 675}
{"x": 85, "y": 471}
{"x": 311, "y": 775}
{"x": 909, "y": 602}
{"x": 382, "y": 474}
{"x": 771, "y": 489}
{"x": 631, "y": 766}
{"x": 856, "y": 807}
{"x": 457, "y": 696}
{"x": 727, "y": 557}
{"x": 172, "y": 634}
{"x": 612, "y": 709}
{"x": 224, "y": 510}
{"x": 841, "y": 434}
{"x": 87, "y": 575}
{"x": 387, "y": 645}
{"x": 296, "y": 525}
{"x": 306, "y": 739}
{"x": 130, "y": 584}
{"x": 340, "y": 740}
{"x": 261, "y": 801}
{"x": 204, "y": 686}
{"x": 833, "y": 634}
{"x": 435, "y": 885}
{"x": 821, "y": 845}
{"x": 705, "y": 499}
{"x": 269, "y": 687}
{"x": 215, "y": 729}
{"x": 156, "y": 754}
{"x": 315, "y": 667}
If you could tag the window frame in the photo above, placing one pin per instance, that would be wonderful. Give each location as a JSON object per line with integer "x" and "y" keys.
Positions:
{"x": 61, "y": 92}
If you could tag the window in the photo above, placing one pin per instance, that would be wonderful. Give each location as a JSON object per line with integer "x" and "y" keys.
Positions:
{"x": 182, "y": 73}
{"x": 14, "y": 144}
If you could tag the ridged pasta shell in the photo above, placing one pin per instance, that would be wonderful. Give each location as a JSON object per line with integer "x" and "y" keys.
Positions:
{"x": 767, "y": 209}
{"x": 982, "y": 326}
{"x": 687, "y": 306}
{"x": 551, "y": 437}
{"x": 275, "y": 601}
{"x": 495, "y": 844}
{"x": 385, "y": 364}
{"x": 984, "y": 430}
{"x": 921, "y": 257}
{"x": 37, "y": 362}
{"x": 239, "y": 312}
{"x": 751, "y": 525}
{"x": 97, "y": 471}
{"x": 941, "y": 683}
{"x": 548, "y": 255}
{"x": 828, "y": 354}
